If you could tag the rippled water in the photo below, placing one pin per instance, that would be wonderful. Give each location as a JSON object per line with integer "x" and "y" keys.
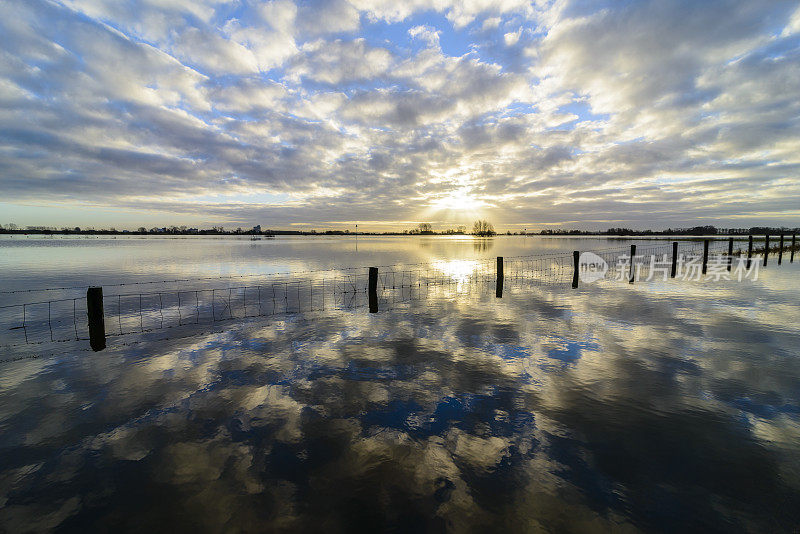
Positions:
{"x": 655, "y": 407}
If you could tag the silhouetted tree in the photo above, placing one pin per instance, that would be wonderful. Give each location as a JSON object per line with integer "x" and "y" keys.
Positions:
{"x": 483, "y": 228}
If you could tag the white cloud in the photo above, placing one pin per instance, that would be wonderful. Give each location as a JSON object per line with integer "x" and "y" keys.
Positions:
{"x": 793, "y": 27}
{"x": 248, "y": 95}
{"x": 213, "y": 53}
{"x": 464, "y": 13}
{"x": 342, "y": 61}
{"x": 429, "y": 34}
{"x": 458, "y": 12}
{"x": 511, "y": 38}
{"x": 328, "y": 16}
{"x": 491, "y": 23}
{"x": 279, "y": 14}
{"x": 392, "y": 11}
{"x": 270, "y": 48}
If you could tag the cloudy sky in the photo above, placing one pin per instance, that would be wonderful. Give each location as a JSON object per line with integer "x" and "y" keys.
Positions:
{"x": 386, "y": 113}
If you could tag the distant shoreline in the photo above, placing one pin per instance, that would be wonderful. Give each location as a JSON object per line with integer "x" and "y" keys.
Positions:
{"x": 644, "y": 234}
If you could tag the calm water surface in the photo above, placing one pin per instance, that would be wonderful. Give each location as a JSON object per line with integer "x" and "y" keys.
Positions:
{"x": 36, "y": 262}
{"x": 652, "y": 407}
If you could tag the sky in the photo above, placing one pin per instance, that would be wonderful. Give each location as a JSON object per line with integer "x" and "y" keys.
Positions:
{"x": 384, "y": 113}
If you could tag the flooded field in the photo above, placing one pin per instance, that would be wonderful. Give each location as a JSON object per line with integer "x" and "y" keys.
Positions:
{"x": 658, "y": 406}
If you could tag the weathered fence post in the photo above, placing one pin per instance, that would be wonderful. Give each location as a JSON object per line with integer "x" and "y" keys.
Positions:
{"x": 674, "y": 259}
{"x": 576, "y": 257}
{"x": 373, "y": 290}
{"x": 780, "y": 251}
{"x": 749, "y": 250}
{"x": 730, "y": 253}
{"x": 499, "y": 292}
{"x": 791, "y": 258}
{"x": 633, "y": 255}
{"x": 705, "y": 256}
{"x": 766, "y": 249}
{"x": 97, "y": 326}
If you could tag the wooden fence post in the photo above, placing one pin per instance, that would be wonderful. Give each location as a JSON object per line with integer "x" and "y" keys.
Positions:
{"x": 780, "y": 251}
{"x": 373, "y": 290}
{"x": 97, "y": 326}
{"x": 749, "y": 250}
{"x": 674, "y": 259}
{"x": 499, "y": 291}
{"x": 631, "y": 275}
{"x": 730, "y": 253}
{"x": 705, "y": 256}
{"x": 766, "y": 249}
{"x": 576, "y": 256}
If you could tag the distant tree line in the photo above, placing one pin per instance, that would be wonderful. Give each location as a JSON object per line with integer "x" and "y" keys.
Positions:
{"x": 695, "y": 230}
{"x": 12, "y": 228}
{"x": 480, "y": 228}
{"x": 427, "y": 229}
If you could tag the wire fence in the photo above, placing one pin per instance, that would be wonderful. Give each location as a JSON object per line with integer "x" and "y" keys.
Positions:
{"x": 65, "y": 320}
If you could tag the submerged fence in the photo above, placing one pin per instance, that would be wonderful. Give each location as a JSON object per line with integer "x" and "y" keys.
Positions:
{"x": 101, "y": 315}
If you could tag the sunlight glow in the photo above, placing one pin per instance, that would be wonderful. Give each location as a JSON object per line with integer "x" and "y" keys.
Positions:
{"x": 459, "y": 200}
{"x": 459, "y": 270}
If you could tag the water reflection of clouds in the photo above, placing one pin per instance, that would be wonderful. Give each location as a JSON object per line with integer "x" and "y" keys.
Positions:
{"x": 550, "y": 408}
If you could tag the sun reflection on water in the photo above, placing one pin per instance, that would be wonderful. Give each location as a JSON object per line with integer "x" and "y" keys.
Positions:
{"x": 459, "y": 270}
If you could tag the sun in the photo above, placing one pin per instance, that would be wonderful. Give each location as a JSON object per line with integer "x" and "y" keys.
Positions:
{"x": 458, "y": 200}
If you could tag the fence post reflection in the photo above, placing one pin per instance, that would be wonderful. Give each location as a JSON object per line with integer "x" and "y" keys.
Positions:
{"x": 499, "y": 290}
{"x": 632, "y": 275}
{"x": 373, "y": 290}
{"x": 674, "y": 259}
{"x": 576, "y": 255}
{"x": 730, "y": 253}
{"x": 94, "y": 310}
